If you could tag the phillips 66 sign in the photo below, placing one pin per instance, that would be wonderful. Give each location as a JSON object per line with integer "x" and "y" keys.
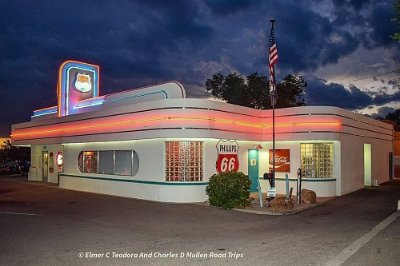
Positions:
{"x": 227, "y": 156}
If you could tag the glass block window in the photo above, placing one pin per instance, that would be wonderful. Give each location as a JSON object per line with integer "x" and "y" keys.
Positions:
{"x": 317, "y": 160}
{"x": 184, "y": 161}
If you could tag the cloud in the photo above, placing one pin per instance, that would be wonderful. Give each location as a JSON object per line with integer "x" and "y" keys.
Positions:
{"x": 144, "y": 42}
{"x": 228, "y": 7}
{"x": 321, "y": 93}
{"x": 385, "y": 98}
{"x": 382, "y": 112}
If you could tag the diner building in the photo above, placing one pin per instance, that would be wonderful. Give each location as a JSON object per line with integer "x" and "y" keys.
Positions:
{"x": 156, "y": 144}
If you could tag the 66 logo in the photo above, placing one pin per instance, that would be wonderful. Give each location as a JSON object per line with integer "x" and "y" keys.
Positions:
{"x": 227, "y": 156}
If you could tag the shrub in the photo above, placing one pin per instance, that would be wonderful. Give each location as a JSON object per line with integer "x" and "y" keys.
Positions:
{"x": 229, "y": 190}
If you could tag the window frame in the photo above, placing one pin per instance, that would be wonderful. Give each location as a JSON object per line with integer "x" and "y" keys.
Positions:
{"x": 317, "y": 162}
{"x": 192, "y": 159}
{"x": 133, "y": 170}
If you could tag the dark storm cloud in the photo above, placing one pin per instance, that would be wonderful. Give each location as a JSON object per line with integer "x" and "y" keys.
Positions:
{"x": 385, "y": 98}
{"x": 144, "y": 42}
{"x": 227, "y": 7}
{"x": 372, "y": 19}
{"x": 354, "y": 4}
{"x": 382, "y": 112}
{"x": 383, "y": 27}
{"x": 321, "y": 93}
{"x": 127, "y": 39}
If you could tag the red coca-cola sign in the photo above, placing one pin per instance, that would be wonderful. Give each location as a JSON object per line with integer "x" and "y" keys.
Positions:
{"x": 282, "y": 160}
{"x": 227, "y": 159}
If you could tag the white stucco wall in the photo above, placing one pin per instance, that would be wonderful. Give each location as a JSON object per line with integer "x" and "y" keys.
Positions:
{"x": 36, "y": 169}
{"x": 352, "y": 160}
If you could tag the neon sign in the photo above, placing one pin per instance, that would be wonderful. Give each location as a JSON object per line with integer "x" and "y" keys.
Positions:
{"x": 77, "y": 81}
{"x": 82, "y": 83}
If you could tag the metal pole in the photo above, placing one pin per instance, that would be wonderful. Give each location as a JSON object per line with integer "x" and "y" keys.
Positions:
{"x": 273, "y": 116}
{"x": 273, "y": 140}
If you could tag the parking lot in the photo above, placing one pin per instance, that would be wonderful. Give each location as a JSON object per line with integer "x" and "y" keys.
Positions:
{"x": 43, "y": 224}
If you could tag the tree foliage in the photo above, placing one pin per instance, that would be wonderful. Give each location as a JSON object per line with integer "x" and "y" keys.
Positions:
{"x": 394, "y": 116}
{"x": 9, "y": 152}
{"x": 229, "y": 190}
{"x": 254, "y": 90}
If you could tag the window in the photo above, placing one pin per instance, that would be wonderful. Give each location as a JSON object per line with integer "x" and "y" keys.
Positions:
{"x": 88, "y": 162}
{"x": 184, "y": 161}
{"x": 317, "y": 160}
{"x": 125, "y": 163}
{"x": 106, "y": 162}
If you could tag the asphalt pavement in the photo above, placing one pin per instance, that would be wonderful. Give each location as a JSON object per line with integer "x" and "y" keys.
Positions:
{"x": 44, "y": 225}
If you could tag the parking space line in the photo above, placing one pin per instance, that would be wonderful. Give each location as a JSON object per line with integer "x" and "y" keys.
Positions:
{"x": 20, "y": 213}
{"x": 358, "y": 244}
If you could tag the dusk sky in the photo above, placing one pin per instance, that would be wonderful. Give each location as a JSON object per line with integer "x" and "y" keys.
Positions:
{"x": 342, "y": 48}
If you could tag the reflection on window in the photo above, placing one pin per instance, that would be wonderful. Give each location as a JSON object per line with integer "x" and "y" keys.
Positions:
{"x": 184, "y": 161}
{"x": 125, "y": 163}
{"x": 317, "y": 160}
{"x": 106, "y": 162}
{"x": 89, "y": 162}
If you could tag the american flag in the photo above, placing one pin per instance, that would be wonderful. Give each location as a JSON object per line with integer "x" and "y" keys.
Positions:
{"x": 273, "y": 58}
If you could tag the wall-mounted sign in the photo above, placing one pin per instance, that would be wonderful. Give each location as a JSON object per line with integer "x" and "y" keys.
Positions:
{"x": 282, "y": 160}
{"x": 77, "y": 81}
{"x": 227, "y": 159}
{"x": 59, "y": 161}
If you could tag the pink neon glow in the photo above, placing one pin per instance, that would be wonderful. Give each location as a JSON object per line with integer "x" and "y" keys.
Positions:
{"x": 178, "y": 119}
{"x": 44, "y": 109}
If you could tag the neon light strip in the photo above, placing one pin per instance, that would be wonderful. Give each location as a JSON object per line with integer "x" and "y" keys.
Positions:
{"x": 45, "y": 111}
{"x": 159, "y": 119}
{"x": 90, "y": 102}
{"x": 95, "y": 91}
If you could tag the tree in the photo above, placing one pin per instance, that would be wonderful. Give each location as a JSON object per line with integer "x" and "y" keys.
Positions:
{"x": 9, "y": 152}
{"x": 254, "y": 91}
{"x": 396, "y": 20}
{"x": 394, "y": 116}
{"x": 291, "y": 91}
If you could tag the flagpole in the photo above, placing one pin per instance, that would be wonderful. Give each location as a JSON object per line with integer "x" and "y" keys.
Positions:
{"x": 273, "y": 100}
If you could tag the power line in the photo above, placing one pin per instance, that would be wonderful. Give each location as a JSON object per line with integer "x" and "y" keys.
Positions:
{"x": 373, "y": 76}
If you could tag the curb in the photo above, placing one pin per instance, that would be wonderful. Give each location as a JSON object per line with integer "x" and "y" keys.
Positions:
{"x": 277, "y": 213}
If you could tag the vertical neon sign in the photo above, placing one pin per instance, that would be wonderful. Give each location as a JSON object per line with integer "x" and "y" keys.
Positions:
{"x": 77, "y": 81}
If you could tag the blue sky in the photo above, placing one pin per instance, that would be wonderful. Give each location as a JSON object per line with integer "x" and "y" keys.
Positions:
{"x": 341, "y": 47}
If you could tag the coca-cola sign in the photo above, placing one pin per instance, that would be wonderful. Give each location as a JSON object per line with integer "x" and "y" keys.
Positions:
{"x": 282, "y": 160}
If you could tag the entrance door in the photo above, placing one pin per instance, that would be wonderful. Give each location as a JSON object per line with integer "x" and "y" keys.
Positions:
{"x": 253, "y": 169}
{"x": 367, "y": 165}
{"x": 45, "y": 166}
